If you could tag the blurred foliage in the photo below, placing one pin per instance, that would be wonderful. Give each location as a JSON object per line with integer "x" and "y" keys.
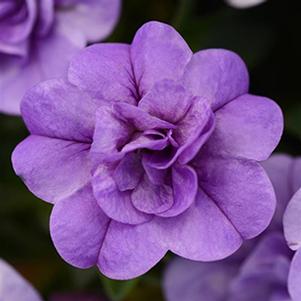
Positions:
{"x": 265, "y": 36}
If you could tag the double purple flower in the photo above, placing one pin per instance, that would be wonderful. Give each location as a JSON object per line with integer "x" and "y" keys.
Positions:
{"x": 38, "y": 38}
{"x": 146, "y": 148}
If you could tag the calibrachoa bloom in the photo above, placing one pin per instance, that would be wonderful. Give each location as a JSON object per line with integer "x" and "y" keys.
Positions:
{"x": 264, "y": 272}
{"x": 38, "y": 38}
{"x": 147, "y": 148}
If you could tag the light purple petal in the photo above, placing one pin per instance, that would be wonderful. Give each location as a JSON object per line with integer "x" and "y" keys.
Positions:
{"x": 14, "y": 287}
{"x": 217, "y": 74}
{"x": 145, "y": 141}
{"x": 191, "y": 133}
{"x": 78, "y": 228}
{"x": 57, "y": 109}
{"x": 49, "y": 59}
{"x": 130, "y": 251}
{"x": 202, "y": 232}
{"x": 116, "y": 204}
{"x": 18, "y": 25}
{"x": 279, "y": 168}
{"x": 167, "y": 100}
{"x": 294, "y": 278}
{"x": 158, "y": 52}
{"x": 88, "y": 20}
{"x": 128, "y": 172}
{"x": 249, "y": 127}
{"x": 139, "y": 118}
{"x": 110, "y": 135}
{"x": 185, "y": 186}
{"x": 104, "y": 71}
{"x": 292, "y": 223}
{"x": 152, "y": 199}
{"x": 242, "y": 191}
{"x": 186, "y": 280}
{"x": 46, "y": 166}
{"x": 264, "y": 274}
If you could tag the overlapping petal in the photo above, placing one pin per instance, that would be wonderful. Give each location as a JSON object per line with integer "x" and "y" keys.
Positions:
{"x": 130, "y": 251}
{"x": 78, "y": 228}
{"x": 201, "y": 233}
{"x": 157, "y": 52}
{"x": 242, "y": 191}
{"x": 291, "y": 222}
{"x": 58, "y": 109}
{"x": 218, "y": 75}
{"x": 105, "y": 71}
{"x": 115, "y": 203}
{"x": 248, "y": 127}
{"x": 45, "y": 165}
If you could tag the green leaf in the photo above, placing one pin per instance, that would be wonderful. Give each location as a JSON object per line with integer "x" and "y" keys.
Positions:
{"x": 118, "y": 290}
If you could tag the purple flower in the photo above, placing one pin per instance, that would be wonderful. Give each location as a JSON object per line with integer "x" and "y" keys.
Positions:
{"x": 14, "y": 287}
{"x": 38, "y": 38}
{"x": 148, "y": 148}
{"x": 261, "y": 276}
{"x": 266, "y": 271}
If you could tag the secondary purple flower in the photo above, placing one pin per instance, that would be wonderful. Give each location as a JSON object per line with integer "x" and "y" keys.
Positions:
{"x": 148, "y": 148}
{"x": 14, "y": 287}
{"x": 264, "y": 272}
{"x": 292, "y": 232}
{"x": 38, "y": 38}
{"x": 261, "y": 276}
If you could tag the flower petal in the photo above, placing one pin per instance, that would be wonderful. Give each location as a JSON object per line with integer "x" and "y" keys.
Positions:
{"x": 217, "y": 74}
{"x": 116, "y": 204}
{"x": 185, "y": 186}
{"x": 249, "y": 127}
{"x": 45, "y": 165}
{"x": 88, "y": 21}
{"x": 202, "y": 232}
{"x": 141, "y": 119}
{"x": 14, "y": 286}
{"x": 49, "y": 59}
{"x": 294, "y": 278}
{"x": 152, "y": 199}
{"x": 57, "y": 109}
{"x": 130, "y": 251}
{"x": 167, "y": 100}
{"x": 158, "y": 52}
{"x": 19, "y": 25}
{"x": 104, "y": 71}
{"x": 291, "y": 222}
{"x": 186, "y": 280}
{"x": 241, "y": 189}
{"x": 128, "y": 172}
{"x": 279, "y": 168}
{"x": 110, "y": 135}
{"x": 78, "y": 228}
{"x": 264, "y": 274}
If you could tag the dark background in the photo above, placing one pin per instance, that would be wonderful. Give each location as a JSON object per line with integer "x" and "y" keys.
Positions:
{"x": 268, "y": 39}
